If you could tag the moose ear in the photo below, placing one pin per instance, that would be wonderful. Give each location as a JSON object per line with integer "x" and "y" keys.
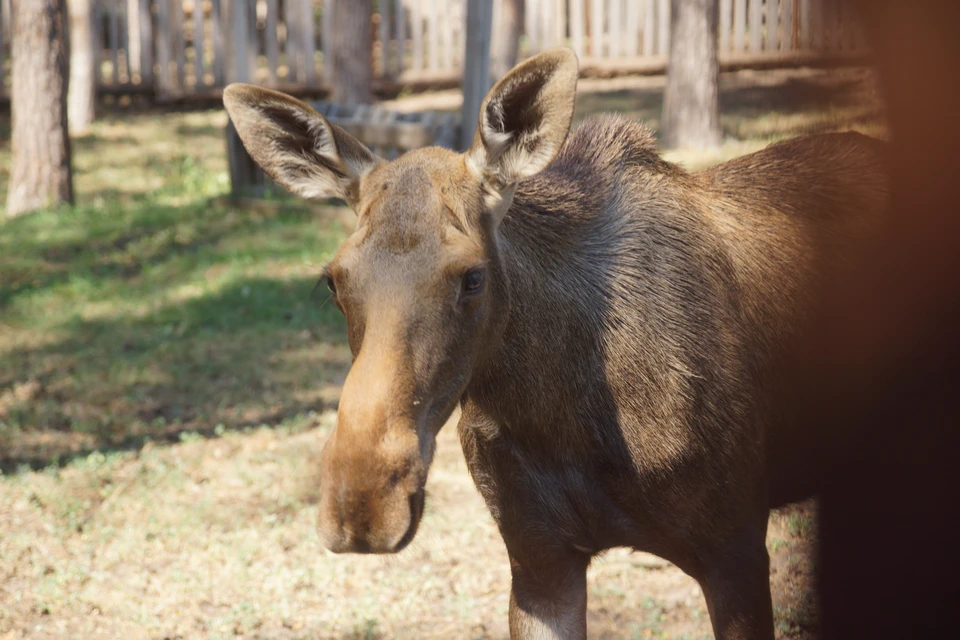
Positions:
{"x": 296, "y": 146}
{"x": 525, "y": 118}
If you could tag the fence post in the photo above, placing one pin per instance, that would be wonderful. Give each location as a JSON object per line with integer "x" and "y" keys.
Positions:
{"x": 3, "y": 52}
{"x": 217, "y": 23}
{"x": 773, "y": 24}
{"x": 476, "y": 66}
{"x": 163, "y": 46}
{"x": 308, "y": 43}
{"x": 145, "y": 23}
{"x": 663, "y": 24}
{"x": 756, "y": 24}
{"x": 726, "y": 22}
{"x": 198, "y": 66}
{"x": 238, "y": 15}
{"x": 596, "y": 28}
{"x": 271, "y": 37}
{"x": 576, "y": 27}
{"x": 401, "y": 36}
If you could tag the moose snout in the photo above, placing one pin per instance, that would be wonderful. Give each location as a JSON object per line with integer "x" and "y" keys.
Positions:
{"x": 368, "y": 503}
{"x": 365, "y": 524}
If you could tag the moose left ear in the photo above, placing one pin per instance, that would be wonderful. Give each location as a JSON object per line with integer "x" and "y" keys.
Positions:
{"x": 296, "y": 146}
{"x": 525, "y": 118}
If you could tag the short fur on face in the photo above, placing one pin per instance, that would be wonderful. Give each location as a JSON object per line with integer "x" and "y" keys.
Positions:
{"x": 426, "y": 234}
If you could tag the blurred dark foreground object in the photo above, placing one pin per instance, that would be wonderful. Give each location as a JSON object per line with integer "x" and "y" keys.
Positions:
{"x": 880, "y": 393}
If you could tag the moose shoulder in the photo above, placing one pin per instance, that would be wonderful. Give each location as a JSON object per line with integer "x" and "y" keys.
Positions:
{"x": 613, "y": 328}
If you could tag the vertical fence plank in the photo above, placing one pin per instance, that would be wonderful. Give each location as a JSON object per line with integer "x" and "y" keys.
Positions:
{"x": 124, "y": 40}
{"x": 163, "y": 45}
{"x": 114, "y": 40}
{"x": 401, "y": 36}
{"x": 446, "y": 36}
{"x": 309, "y": 46}
{"x": 238, "y": 18}
{"x": 632, "y": 44}
{"x": 649, "y": 27}
{"x": 547, "y": 18}
{"x": 292, "y": 39}
{"x": 560, "y": 19}
{"x": 476, "y": 66}
{"x": 756, "y": 24}
{"x": 530, "y": 26}
{"x": 663, "y": 27}
{"x": 145, "y": 32}
{"x": 416, "y": 28}
{"x": 596, "y": 28}
{"x": 383, "y": 33}
{"x": 726, "y": 21}
{"x": 773, "y": 25}
{"x": 132, "y": 39}
{"x": 616, "y": 26}
{"x": 326, "y": 39}
{"x": 199, "y": 64}
{"x": 576, "y": 27}
{"x": 97, "y": 34}
{"x": 433, "y": 34}
{"x": 3, "y": 51}
{"x": 271, "y": 41}
{"x": 739, "y": 25}
{"x": 217, "y": 30}
{"x": 786, "y": 34}
{"x": 179, "y": 43}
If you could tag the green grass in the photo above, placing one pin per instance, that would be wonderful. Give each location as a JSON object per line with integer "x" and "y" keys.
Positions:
{"x": 154, "y": 305}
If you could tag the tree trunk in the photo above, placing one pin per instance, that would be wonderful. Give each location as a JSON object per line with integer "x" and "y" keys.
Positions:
{"x": 351, "y": 55}
{"x": 81, "y": 99}
{"x": 691, "y": 110}
{"x": 40, "y": 174}
{"x": 507, "y": 35}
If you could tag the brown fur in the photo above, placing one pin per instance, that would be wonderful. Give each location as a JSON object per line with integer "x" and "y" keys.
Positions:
{"x": 618, "y": 373}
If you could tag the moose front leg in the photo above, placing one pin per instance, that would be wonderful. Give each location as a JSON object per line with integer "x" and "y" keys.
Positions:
{"x": 548, "y": 598}
{"x": 736, "y": 585}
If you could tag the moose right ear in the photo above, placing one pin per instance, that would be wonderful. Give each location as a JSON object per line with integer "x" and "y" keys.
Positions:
{"x": 296, "y": 146}
{"x": 525, "y": 118}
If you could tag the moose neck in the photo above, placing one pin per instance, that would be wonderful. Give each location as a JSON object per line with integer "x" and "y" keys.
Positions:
{"x": 549, "y": 351}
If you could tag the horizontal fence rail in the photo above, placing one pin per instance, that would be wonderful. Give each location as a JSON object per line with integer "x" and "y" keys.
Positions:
{"x": 171, "y": 48}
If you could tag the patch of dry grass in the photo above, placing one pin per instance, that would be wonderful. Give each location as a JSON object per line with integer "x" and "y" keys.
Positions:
{"x": 215, "y": 538}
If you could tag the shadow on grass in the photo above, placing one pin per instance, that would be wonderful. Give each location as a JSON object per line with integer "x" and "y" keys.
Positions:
{"x": 47, "y": 249}
{"x": 257, "y": 351}
{"x": 143, "y": 320}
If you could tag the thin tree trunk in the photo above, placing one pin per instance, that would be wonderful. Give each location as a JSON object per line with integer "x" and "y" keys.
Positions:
{"x": 507, "y": 36}
{"x": 40, "y": 174}
{"x": 351, "y": 53}
{"x": 81, "y": 99}
{"x": 691, "y": 110}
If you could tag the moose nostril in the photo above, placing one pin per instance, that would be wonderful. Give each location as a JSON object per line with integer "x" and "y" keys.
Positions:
{"x": 416, "y": 503}
{"x": 394, "y": 479}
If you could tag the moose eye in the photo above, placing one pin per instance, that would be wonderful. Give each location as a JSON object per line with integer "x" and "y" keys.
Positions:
{"x": 473, "y": 281}
{"x": 330, "y": 285}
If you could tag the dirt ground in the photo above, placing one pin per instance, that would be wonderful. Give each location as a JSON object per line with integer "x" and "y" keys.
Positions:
{"x": 215, "y": 538}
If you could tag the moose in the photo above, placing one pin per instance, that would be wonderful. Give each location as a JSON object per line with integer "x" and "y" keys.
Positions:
{"x": 614, "y": 329}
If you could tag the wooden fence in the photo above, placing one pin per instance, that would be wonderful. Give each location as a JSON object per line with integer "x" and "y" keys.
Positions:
{"x": 172, "y": 48}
